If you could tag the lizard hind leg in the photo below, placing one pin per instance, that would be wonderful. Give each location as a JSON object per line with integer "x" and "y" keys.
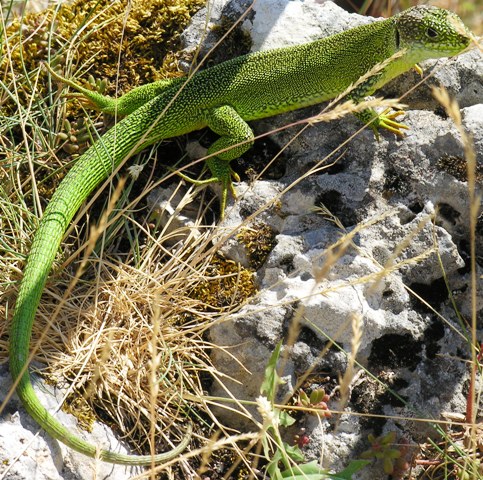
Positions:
{"x": 236, "y": 137}
{"x": 123, "y": 105}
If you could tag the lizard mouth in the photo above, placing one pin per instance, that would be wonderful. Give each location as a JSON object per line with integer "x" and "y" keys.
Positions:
{"x": 456, "y": 47}
{"x": 442, "y": 49}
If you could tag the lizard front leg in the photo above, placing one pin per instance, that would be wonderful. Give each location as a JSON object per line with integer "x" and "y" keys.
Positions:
{"x": 370, "y": 117}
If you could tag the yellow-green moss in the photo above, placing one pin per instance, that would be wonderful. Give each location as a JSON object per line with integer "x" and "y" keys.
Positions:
{"x": 77, "y": 405}
{"x": 456, "y": 166}
{"x": 227, "y": 283}
{"x": 259, "y": 240}
{"x": 128, "y": 42}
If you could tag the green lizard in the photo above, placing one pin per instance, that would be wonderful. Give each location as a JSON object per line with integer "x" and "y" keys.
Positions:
{"x": 223, "y": 98}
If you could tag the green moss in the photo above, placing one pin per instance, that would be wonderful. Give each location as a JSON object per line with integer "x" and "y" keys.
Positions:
{"x": 77, "y": 405}
{"x": 130, "y": 43}
{"x": 259, "y": 240}
{"x": 227, "y": 283}
{"x": 456, "y": 166}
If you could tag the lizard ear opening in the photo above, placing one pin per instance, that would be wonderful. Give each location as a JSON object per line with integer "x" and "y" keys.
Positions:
{"x": 398, "y": 38}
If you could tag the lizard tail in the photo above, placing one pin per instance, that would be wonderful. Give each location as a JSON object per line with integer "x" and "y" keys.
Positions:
{"x": 94, "y": 166}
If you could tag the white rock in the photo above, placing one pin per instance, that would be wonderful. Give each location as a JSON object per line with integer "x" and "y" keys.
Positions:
{"x": 29, "y": 456}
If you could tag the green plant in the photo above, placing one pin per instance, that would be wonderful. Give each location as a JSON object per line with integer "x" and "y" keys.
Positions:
{"x": 383, "y": 448}
{"x": 286, "y": 462}
{"x": 317, "y": 401}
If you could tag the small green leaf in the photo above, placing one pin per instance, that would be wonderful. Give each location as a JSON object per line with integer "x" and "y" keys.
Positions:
{"x": 309, "y": 471}
{"x": 304, "y": 399}
{"x": 393, "y": 453}
{"x": 275, "y": 474}
{"x": 316, "y": 396}
{"x": 285, "y": 419}
{"x": 272, "y": 468}
{"x": 293, "y": 452}
{"x": 102, "y": 85}
{"x": 303, "y": 476}
{"x": 271, "y": 379}
{"x": 353, "y": 467}
{"x": 390, "y": 437}
{"x": 388, "y": 465}
{"x": 266, "y": 448}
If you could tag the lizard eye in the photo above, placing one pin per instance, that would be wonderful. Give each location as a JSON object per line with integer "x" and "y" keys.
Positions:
{"x": 431, "y": 32}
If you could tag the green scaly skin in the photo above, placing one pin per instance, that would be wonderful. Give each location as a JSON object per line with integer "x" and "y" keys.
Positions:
{"x": 222, "y": 98}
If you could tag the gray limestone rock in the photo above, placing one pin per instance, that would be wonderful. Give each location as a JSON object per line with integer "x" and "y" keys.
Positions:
{"x": 405, "y": 200}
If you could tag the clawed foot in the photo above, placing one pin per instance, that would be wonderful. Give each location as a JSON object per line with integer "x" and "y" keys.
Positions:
{"x": 89, "y": 98}
{"x": 83, "y": 100}
{"x": 387, "y": 120}
{"x": 222, "y": 174}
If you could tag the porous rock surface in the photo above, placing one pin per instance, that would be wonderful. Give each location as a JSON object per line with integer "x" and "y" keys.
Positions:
{"x": 407, "y": 200}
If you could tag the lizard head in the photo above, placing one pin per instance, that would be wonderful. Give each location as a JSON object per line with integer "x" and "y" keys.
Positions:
{"x": 430, "y": 32}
